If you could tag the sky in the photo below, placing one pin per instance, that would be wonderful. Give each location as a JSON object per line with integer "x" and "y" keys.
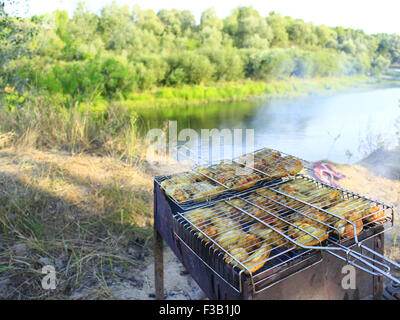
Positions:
{"x": 372, "y": 16}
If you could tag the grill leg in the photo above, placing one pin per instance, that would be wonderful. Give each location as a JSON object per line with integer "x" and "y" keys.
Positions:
{"x": 378, "y": 281}
{"x": 158, "y": 265}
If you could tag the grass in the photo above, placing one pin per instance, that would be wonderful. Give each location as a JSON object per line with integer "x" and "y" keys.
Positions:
{"x": 83, "y": 214}
{"x": 234, "y": 91}
{"x": 67, "y": 199}
{"x": 43, "y": 124}
{"x": 75, "y": 193}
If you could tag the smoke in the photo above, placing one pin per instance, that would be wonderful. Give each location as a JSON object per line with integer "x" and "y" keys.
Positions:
{"x": 385, "y": 163}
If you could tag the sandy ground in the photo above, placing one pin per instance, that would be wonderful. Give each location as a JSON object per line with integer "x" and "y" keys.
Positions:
{"x": 177, "y": 283}
{"x": 364, "y": 181}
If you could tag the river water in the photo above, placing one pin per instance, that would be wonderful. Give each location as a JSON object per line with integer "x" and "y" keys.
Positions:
{"x": 341, "y": 127}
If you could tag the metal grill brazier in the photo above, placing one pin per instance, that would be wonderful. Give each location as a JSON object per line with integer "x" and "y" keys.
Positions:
{"x": 283, "y": 236}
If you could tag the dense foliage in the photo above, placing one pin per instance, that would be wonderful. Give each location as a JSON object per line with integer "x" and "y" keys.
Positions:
{"x": 124, "y": 50}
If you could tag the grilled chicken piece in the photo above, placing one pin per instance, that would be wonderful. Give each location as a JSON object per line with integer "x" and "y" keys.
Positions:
{"x": 305, "y": 192}
{"x": 231, "y": 175}
{"x": 240, "y": 254}
{"x": 311, "y": 215}
{"x": 189, "y": 186}
{"x": 270, "y": 235}
{"x": 178, "y": 192}
{"x": 210, "y": 231}
{"x": 276, "y": 172}
{"x": 255, "y": 261}
{"x": 346, "y": 229}
{"x": 307, "y": 234}
{"x": 205, "y": 189}
{"x": 199, "y": 217}
{"x": 230, "y": 238}
{"x": 263, "y": 211}
{"x": 347, "y": 207}
{"x": 225, "y": 224}
{"x": 292, "y": 165}
{"x": 250, "y": 242}
{"x": 350, "y": 210}
{"x": 269, "y": 193}
{"x": 374, "y": 214}
{"x": 272, "y": 163}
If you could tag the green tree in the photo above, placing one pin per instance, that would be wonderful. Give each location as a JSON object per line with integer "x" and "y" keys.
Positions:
{"x": 151, "y": 71}
{"x": 124, "y": 49}
{"x": 209, "y": 19}
{"x": 210, "y": 28}
{"x": 271, "y": 64}
{"x": 188, "y": 22}
{"x": 148, "y": 20}
{"x": 278, "y": 26}
{"x": 326, "y": 36}
{"x": 248, "y": 28}
{"x": 227, "y": 62}
{"x": 379, "y": 65}
{"x": 15, "y": 35}
{"x": 192, "y": 68}
{"x": 116, "y": 27}
{"x": 348, "y": 46}
{"x": 171, "y": 20}
{"x": 119, "y": 76}
{"x": 61, "y": 19}
{"x": 302, "y": 34}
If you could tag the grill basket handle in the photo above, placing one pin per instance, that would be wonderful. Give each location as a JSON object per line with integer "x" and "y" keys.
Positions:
{"x": 372, "y": 269}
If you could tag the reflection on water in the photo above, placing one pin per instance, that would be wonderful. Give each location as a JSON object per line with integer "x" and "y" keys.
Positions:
{"x": 332, "y": 127}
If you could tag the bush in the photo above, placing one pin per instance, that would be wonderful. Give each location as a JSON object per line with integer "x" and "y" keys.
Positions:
{"x": 304, "y": 65}
{"x": 119, "y": 77}
{"x": 81, "y": 79}
{"x": 177, "y": 77}
{"x": 189, "y": 67}
{"x": 151, "y": 71}
{"x": 275, "y": 63}
{"x": 326, "y": 65}
{"x": 227, "y": 63}
{"x": 84, "y": 80}
{"x": 379, "y": 65}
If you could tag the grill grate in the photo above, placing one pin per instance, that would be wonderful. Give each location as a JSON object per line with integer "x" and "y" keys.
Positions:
{"x": 273, "y": 163}
{"x": 206, "y": 184}
{"x": 278, "y": 227}
{"x": 224, "y": 237}
{"x": 337, "y": 201}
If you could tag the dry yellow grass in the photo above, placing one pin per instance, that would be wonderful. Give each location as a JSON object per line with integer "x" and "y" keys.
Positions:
{"x": 85, "y": 207}
{"x": 84, "y": 214}
{"x": 6, "y": 139}
{"x": 81, "y": 180}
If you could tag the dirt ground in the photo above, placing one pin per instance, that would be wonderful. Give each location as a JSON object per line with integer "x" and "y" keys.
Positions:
{"x": 178, "y": 285}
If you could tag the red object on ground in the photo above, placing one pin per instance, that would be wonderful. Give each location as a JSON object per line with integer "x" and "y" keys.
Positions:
{"x": 326, "y": 174}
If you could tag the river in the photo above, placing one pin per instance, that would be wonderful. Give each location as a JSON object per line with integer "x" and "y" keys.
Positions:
{"x": 340, "y": 127}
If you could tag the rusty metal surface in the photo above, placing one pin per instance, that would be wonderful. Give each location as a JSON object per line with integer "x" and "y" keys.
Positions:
{"x": 158, "y": 255}
{"x": 324, "y": 282}
{"x": 158, "y": 265}
{"x": 378, "y": 244}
